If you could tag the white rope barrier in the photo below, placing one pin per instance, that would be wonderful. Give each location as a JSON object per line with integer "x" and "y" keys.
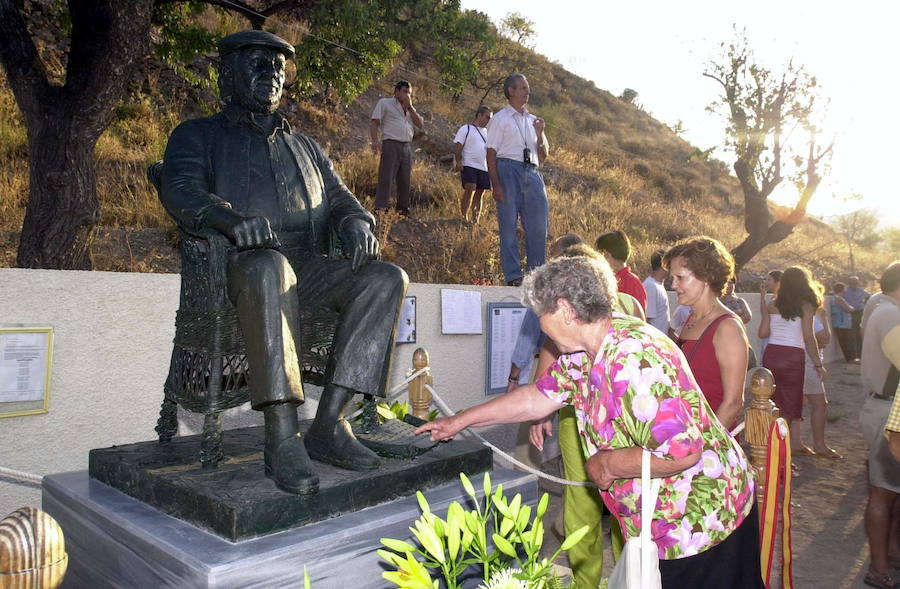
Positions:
{"x": 21, "y": 476}
{"x": 506, "y": 457}
{"x": 445, "y": 409}
{"x": 26, "y": 477}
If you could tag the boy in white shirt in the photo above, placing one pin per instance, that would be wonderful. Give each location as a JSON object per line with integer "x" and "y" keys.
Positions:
{"x": 470, "y": 160}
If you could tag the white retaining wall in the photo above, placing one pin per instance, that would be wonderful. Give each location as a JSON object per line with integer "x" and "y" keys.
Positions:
{"x": 112, "y": 343}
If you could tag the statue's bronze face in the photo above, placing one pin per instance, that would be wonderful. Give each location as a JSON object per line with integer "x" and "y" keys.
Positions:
{"x": 258, "y": 79}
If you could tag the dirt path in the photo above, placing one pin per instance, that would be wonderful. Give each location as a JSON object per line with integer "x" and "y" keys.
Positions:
{"x": 829, "y": 542}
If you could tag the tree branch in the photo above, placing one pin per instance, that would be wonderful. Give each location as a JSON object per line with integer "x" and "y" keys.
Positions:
{"x": 256, "y": 18}
{"x": 24, "y": 68}
{"x": 108, "y": 38}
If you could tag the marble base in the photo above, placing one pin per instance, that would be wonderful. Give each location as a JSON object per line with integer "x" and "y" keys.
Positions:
{"x": 237, "y": 501}
{"x": 114, "y": 540}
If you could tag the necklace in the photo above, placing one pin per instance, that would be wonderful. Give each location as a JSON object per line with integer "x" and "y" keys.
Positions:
{"x": 697, "y": 320}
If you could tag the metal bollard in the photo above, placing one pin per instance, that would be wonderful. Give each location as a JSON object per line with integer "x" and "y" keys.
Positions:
{"x": 419, "y": 396}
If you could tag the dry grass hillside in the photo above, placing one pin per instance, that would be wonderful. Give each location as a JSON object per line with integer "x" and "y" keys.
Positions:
{"x": 612, "y": 166}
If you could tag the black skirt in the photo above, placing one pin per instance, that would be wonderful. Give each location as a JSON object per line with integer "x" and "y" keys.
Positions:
{"x": 731, "y": 564}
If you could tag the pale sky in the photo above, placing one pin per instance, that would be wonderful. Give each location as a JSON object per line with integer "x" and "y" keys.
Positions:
{"x": 659, "y": 49}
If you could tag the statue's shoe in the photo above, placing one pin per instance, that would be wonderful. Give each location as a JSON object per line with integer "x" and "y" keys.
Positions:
{"x": 341, "y": 448}
{"x": 289, "y": 466}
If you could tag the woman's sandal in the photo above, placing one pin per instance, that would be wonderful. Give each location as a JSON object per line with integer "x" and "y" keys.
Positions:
{"x": 829, "y": 453}
{"x": 882, "y": 580}
{"x": 802, "y": 451}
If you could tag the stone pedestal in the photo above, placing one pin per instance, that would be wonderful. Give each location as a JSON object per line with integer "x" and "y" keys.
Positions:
{"x": 237, "y": 501}
{"x": 114, "y": 540}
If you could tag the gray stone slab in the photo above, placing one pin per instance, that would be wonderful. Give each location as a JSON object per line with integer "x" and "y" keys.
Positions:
{"x": 237, "y": 501}
{"x": 114, "y": 540}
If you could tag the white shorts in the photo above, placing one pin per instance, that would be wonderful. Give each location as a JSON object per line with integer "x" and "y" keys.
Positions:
{"x": 812, "y": 384}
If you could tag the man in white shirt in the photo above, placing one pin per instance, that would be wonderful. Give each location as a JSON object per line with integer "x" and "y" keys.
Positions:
{"x": 516, "y": 146}
{"x": 470, "y": 160}
{"x": 395, "y": 118}
{"x": 657, "y": 299}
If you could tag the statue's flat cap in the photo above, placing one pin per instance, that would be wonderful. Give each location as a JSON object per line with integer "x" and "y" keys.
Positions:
{"x": 251, "y": 38}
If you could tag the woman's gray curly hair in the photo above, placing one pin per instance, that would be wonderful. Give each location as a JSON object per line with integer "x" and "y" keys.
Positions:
{"x": 587, "y": 283}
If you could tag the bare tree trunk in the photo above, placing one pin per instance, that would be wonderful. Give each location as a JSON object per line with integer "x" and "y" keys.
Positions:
{"x": 852, "y": 260}
{"x": 109, "y": 37}
{"x": 755, "y": 242}
{"x": 62, "y": 203}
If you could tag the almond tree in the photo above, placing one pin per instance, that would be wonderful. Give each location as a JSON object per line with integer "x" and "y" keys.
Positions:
{"x": 769, "y": 115}
{"x": 64, "y": 117}
{"x": 64, "y": 121}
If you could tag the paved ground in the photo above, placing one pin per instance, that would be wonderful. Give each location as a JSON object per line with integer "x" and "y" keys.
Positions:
{"x": 829, "y": 542}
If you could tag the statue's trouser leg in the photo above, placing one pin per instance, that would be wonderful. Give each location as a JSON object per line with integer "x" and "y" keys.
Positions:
{"x": 368, "y": 303}
{"x": 261, "y": 285}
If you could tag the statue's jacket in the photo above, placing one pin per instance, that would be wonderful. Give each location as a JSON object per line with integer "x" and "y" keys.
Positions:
{"x": 228, "y": 160}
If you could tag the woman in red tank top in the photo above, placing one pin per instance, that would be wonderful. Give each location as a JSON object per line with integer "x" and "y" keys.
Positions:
{"x": 701, "y": 355}
{"x": 713, "y": 338}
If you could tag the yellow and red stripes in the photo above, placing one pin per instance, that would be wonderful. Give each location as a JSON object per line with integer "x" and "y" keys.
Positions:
{"x": 778, "y": 480}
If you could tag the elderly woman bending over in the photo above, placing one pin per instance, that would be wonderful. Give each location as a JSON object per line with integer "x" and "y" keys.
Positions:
{"x": 631, "y": 391}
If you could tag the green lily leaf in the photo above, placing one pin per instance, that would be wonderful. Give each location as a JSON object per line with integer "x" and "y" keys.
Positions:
{"x": 504, "y": 545}
{"x": 472, "y": 523}
{"x": 453, "y": 538}
{"x": 575, "y": 537}
{"x": 467, "y": 484}
{"x": 538, "y": 531}
{"x": 542, "y": 506}
{"x": 390, "y": 557}
{"x": 398, "y": 545}
{"x": 524, "y": 516}
{"x": 430, "y": 541}
{"x": 385, "y": 412}
{"x": 412, "y": 575}
{"x": 466, "y": 540}
{"x": 515, "y": 505}
{"x": 502, "y": 507}
{"x": 423, "y": 502}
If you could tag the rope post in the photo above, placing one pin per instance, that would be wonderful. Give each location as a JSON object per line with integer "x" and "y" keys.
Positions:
{"x": 419, "y": 396}
{"x": 760, "y": 415}
{"x": 32, "y": 550}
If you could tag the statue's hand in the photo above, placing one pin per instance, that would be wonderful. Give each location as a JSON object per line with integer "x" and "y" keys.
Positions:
{"x": 360, "y": 244}
{"x": 245, "y": 232}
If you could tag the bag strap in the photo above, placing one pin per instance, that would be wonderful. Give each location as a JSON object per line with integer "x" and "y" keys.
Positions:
{"x": 649, "y": 493}
{"x": 891, "y": 383}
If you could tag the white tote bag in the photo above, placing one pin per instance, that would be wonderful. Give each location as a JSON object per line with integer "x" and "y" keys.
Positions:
{"x": 638, "y": 565}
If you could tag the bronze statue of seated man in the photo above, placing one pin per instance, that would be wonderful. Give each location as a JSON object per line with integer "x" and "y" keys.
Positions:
{"x": 273, "y": 192}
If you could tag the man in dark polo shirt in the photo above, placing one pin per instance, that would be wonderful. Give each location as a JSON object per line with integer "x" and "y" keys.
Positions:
{"x": 246, "y": 174}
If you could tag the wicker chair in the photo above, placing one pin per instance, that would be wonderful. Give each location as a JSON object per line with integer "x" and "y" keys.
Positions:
{"x": 208, "y": 372}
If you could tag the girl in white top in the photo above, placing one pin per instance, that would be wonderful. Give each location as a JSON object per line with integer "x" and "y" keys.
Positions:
{"x": 814, "y": 391}
{"x": 788, "y": 322}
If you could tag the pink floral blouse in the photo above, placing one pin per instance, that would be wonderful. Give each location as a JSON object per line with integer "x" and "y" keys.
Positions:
{"x": 639, "y": 391}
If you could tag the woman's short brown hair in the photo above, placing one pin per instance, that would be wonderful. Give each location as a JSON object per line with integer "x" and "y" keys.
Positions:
{"x": 707, "y": 258}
